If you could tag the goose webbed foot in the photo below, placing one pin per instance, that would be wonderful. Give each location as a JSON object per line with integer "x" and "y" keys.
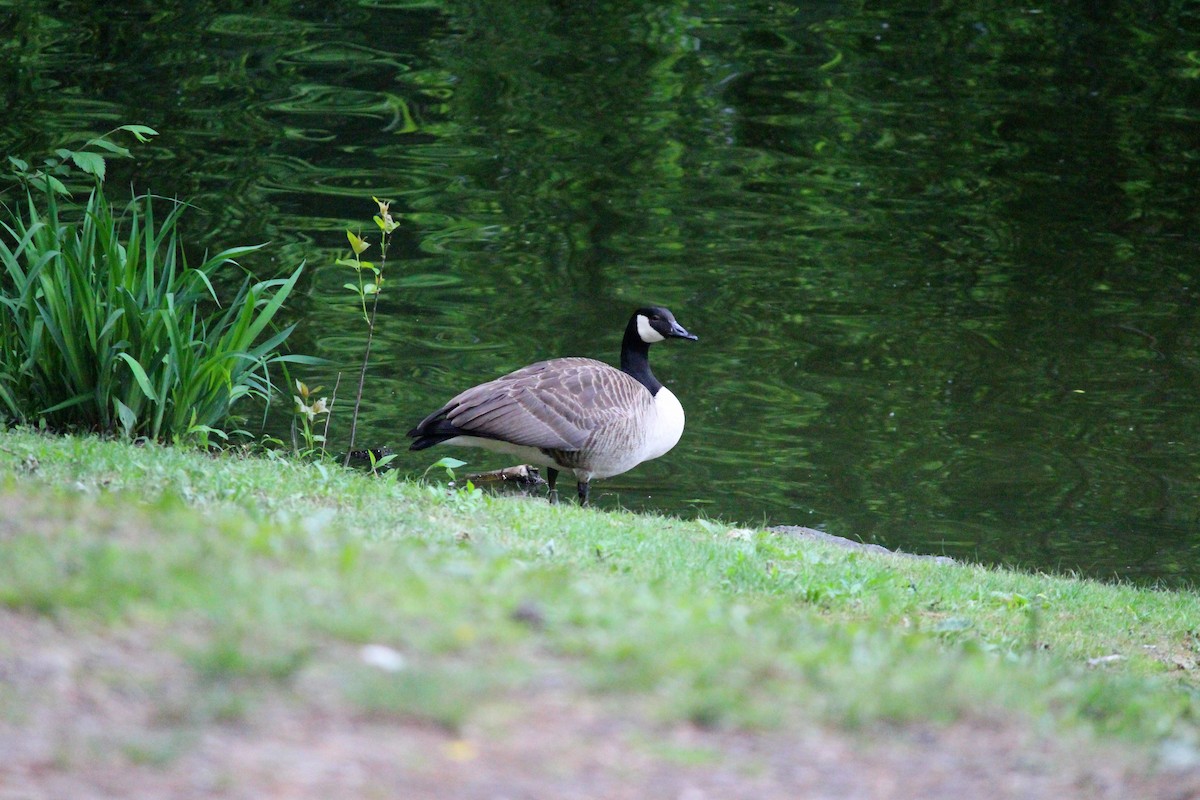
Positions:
{"x": 583, "y": 493}
{"x": 551, "y": 479}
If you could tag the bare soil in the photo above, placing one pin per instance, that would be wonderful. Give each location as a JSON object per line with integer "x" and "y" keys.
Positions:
{"x": 84, "y": 715}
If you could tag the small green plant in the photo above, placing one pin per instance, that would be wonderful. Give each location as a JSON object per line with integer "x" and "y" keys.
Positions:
{"x": 448, "y": 463}
{"x": 378, "y": 462}
{"x": 460, "y": 494}
{"x": 106, "y": 327}
{"x": 306, "y": 412}
{"x": 366, "y": 287}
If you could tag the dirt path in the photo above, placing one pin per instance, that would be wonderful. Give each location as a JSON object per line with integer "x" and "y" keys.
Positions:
{"x": 85, "y": 716}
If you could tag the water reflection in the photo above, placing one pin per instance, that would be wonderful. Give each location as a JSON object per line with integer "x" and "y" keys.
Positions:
{"x": 942, "y": 262}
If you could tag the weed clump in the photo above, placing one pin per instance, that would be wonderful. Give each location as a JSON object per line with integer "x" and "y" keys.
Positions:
{"x": 106, "y": 327}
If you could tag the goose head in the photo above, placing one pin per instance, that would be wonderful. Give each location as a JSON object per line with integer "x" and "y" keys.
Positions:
{"x": 657, "y": 324}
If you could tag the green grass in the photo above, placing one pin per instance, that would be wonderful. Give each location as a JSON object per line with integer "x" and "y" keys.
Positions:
{"x": 261, "y": 572}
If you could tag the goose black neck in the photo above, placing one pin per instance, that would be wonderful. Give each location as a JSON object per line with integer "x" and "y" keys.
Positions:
{"x": 635, "y": 358}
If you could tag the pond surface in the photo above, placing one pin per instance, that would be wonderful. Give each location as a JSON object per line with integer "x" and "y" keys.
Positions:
{"x": 944, "y": 264}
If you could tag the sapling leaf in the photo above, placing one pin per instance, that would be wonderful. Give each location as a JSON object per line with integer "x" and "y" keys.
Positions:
{"x": 112, "y": 147}
{"x": 140, "y": 132}
{"x": 90, "y": 163}
{"x": 56, "y": 186}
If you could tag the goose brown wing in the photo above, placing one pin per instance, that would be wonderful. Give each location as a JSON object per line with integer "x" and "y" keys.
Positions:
{"x": 553, "y": 405}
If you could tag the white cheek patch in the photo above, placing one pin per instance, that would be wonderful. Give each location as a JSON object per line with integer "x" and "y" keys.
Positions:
{"x": 648, "y": 334}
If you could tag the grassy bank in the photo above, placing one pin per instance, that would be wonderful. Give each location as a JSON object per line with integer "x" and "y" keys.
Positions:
{"x": 255, "y": 579}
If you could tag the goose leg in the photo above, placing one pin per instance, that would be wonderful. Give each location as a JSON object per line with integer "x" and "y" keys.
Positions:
{"x": 583, "y": 493}
{"x": 551, "y": 479}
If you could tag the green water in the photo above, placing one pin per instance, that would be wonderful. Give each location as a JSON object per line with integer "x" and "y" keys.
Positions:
{"x": 943, "y": 263}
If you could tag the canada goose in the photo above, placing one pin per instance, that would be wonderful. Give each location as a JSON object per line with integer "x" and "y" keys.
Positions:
{"x": 573, "y": 414}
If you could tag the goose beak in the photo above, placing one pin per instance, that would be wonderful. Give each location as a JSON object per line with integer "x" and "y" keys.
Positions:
{"x": 679, "y": 332}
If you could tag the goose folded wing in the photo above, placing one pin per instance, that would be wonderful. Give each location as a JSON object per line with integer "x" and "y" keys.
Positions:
{"x": 516, "y": 415}
{"x": 594, "y": 395}
{"x": 558, "y": 410}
